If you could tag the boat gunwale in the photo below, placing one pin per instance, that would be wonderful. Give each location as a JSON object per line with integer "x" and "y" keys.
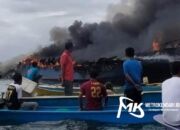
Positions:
{"x": 71, "y": 111}
{"x": 74, "y": 97}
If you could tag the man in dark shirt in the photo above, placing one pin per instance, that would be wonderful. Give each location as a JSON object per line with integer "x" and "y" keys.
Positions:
{"x": 94, "y": 93}
{"x": 133, "y": 76}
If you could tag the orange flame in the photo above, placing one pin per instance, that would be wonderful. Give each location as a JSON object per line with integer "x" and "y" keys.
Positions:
{"x": 156, "y": 46}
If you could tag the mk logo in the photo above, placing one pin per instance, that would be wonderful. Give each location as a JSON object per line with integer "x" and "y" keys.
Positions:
{"x": 132, "y": 108}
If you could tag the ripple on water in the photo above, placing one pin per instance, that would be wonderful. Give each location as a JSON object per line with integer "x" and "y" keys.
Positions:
{"x": 79, "y": 125}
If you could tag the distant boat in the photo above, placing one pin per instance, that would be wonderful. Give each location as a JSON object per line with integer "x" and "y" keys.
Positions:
{"x": 110, "y": 70}
{"x": 57, "y": 90}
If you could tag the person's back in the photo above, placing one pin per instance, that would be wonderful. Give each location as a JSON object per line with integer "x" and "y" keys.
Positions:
{"x": 134, "y": 69}
{"x": 171, "y": 95}
{"x": 12, "y": 99}
{"x": 67, "y": 69}
{"x": 33, "y": 73}
{"x": 133, "y": 75}
{"x": 94, "y": 92}
{"x": 14, "y": 95}
{"x": 67, "y": 61}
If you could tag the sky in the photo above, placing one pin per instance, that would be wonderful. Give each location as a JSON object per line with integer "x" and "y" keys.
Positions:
{"x": 25, "y": 24}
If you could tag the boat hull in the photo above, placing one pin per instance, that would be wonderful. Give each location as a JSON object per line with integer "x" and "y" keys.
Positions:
{"x": 51, "y": 92}
{"x": 106, "y": 116}
{"x": 148, "y": 97}
{"x": 44, "y": 90}
{"x": 62, "y": 108}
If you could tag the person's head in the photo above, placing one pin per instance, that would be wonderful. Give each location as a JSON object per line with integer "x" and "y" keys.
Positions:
{"x": 69, "y": 45}
{"x": 109, "y": 86}
{"x": 34, "y": 64}
{"x": 93, "y": 74}
{"x": 17, "y": 77}
{"x": 129, "y": 52}
{"x": 175, "y": 67}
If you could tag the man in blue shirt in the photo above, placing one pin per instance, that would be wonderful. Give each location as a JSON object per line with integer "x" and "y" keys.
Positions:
{"x": 33, "y": 73}
{"x": 133, "y": 76}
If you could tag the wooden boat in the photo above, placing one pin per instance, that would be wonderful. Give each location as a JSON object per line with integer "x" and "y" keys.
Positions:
{"x": 32, "y": 88}
{"x": 107, "y": 115}
{"x": 52, "y": 90}
{"x": 60, "y": 108}
{"x": 57, "y": 90}
{"x": 148, "y": 97}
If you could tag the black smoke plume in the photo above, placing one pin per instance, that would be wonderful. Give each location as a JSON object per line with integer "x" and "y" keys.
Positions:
{"x": 133, "y": 23}
{"x": 58, "y": 37}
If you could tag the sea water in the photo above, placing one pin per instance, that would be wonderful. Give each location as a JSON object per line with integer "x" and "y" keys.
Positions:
{"x": 74, "y": 124}
{"x": 79, "y": 125}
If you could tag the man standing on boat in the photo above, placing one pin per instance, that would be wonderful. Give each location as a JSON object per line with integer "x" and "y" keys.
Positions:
{"x": 94, "y": 92}
{"x": 171, "y": 97}
{"x": 133, "y": 76}
{"x": 67, "y": 69}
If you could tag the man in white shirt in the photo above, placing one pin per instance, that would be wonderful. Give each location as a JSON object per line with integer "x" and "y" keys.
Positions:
{"x": 171, "y": 97}
{"x": 14, "y": 94}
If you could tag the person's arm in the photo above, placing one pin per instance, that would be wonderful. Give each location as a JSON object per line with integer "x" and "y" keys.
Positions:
{"x": 81, "y": 97}
{"x": 128, "y": 77}
{"x": 106, "y": 101}
{"x": 141, "y": 71}
{"x": 105, "y": 96}
{"x": 130, "y": 80}
{"x": 63, "y": 65}
{"x": 81, "y": 101}
{"x": 19, "y": 92}
{"x": 37, "y": 75}
{"x": 62, "y": 73}
{"x": 20, "y": 95}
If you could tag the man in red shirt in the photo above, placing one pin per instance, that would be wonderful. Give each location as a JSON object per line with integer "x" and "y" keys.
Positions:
{"x": 94, "y": 93}
{"x": 67, "y": 69}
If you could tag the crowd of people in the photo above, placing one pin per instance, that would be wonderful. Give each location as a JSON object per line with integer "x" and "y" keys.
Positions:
{"x": 95, "y": 92}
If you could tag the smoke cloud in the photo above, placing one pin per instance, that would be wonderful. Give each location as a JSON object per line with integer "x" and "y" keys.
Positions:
{"x": 58, "y": 37}
{"x": 6, "y": 68}
{"x": 133, "y": 23}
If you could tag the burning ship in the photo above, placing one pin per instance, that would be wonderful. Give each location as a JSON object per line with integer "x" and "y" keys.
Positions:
{"x": 156, "y": 65}
{"x": 141, "y": 22}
